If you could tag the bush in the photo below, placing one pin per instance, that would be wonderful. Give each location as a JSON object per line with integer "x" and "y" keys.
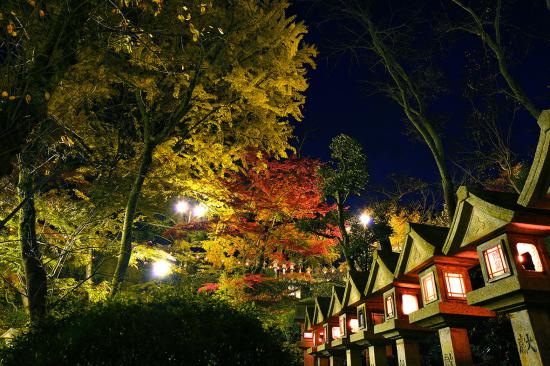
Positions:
{"x": 168, "y": 330}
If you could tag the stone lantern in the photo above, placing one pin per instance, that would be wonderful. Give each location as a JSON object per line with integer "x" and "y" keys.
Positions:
{"x": 400, "y": 297}
{"x": 348, "y": 321}
{"x": 509, "y": 241}
{"x": 444, "y": 282}
{"x": 302, "y": 316}
{"x": 319, "y": 348}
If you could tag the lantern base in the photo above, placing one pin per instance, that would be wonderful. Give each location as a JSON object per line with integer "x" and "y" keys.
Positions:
{"x": 455, "y": 346}
{"x": 532, "y": 333}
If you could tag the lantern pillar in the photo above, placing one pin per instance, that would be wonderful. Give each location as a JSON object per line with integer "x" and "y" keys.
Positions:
{"x": 455, "y": 347}
{"x": 378, "y": 356}
{"x": 309, "y": 360}
{"x": 532, "y": 332}
{"x": 321, "y": 361}
{"x": 408, "y": 353}
{"x": 335, "y": 361}
{"x": 353, "y": 357}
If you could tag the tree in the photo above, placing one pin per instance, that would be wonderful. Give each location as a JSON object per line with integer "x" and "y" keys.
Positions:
{"x": 207, "y": 80}
{"x": 411, "y": 85}
{"x": 344, "y": 176}
{"x": 38, "y": 45}
{"x": 263, "y": 206}
{"x": 489, "y": 32}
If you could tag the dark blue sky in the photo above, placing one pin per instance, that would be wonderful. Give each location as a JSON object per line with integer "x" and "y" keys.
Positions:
{"x": 338, "y": 101}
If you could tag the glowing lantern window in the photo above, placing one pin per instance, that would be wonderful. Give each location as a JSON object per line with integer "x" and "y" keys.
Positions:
{"x": 410, "y": 303}
{"x": 354, "y": 325}
{"x": 342, "y": 323}
{"x": 528, "y": 257}
{"x": 308, "y": 335}
{"x": 455, "y": 285}
{"x": 390, "y": 311}
{"x": 361, "y": 318}
{"x": 495, "y": 262}
{"x": 428, "y": 287}
{"x": 326, "y": 331}
{"x": 336, "y": 332}
{"x": 320, "y": 338}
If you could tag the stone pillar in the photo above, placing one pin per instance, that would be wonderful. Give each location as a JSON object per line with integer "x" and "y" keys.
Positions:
{"x": 532, "y": 333}
{"x": 353, "y": 357}
{"x": 321, "y": 361}
{"x": 309, "y": 360}
{"x": 335, "y": 361}
{"x": 455, "y": 347}
{"x": 378, "y": 356}
{"x": 408, "y": 353}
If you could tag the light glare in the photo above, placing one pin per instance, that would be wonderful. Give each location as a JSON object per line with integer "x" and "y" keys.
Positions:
{"x": 365, "y": 219}
{"x": 162, "y": 268}
{"x": 200, "y": 210}
{"x": 182, "y": 207}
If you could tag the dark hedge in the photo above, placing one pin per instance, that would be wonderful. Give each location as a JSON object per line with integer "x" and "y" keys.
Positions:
{"x": 172, "y": 330}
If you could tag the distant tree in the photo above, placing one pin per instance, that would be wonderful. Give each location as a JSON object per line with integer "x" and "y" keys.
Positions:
{"x": 344, "y": 176}
{"x": 263, "y": 206}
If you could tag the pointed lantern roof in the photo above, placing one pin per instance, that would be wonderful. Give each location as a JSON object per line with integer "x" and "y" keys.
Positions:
{"x": 422, "y": 242}
{"x": 336, "y": 301}
{"x": 310, "y": 310}
{"x": 355, "y": 287}
{"x": 479, "y": 213}
{"x": 382, "y": 269}
{"x": 321, "y": 309}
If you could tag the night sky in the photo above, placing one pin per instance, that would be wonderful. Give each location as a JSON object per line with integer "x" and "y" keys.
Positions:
{"x": 338, "y": 101}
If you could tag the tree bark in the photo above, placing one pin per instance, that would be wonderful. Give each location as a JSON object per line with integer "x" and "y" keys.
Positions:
{"x": 36, "y": 282}
{"x": 494, "y": 45}
{"x": 126, "y": 239}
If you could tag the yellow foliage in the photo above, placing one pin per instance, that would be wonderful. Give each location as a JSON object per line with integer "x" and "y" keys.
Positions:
{"x": 398, "y": 221}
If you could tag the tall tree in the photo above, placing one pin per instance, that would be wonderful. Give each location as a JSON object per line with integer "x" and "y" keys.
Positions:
{"x": 410, "y": 84}
{"x": 208, "y": 81}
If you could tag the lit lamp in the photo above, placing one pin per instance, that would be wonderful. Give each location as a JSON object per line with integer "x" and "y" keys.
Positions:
{"x": 161, "y": 268}
{"x": 508, "y": 242}
{"x": 321, "y": 328}
{"x": 353, "y": 340}
{"x": 517, "y": 283}
{"x": 444, "y": 283}
{"x": 400, "y": 298}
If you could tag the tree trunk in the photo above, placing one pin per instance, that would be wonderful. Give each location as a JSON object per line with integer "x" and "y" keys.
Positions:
{"x": 344, "y": 242}
{"x": 36, "y": 282}
{"x": 126, "y": 239}
{"x": 90, "y": 265}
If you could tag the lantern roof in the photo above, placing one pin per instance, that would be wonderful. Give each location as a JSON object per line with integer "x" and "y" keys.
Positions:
{"x": 536, "y": 190}
{"x": 421, "y": 243}
{"x": 355, "y": 287}
{"x": 309, "y": 312}
{"x": 480, "y": 213}
{"x": 321, "y": 309}
{"x": 381, "y": 273}
{"x": 301, "y": 310}
{"x": 336, "y": 301}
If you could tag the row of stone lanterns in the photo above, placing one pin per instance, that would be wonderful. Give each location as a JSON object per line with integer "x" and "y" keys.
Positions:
{"x": 428, "y": 286}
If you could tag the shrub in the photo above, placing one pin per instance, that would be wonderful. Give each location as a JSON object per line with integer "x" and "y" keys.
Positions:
{"x": 167, "y": 330}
